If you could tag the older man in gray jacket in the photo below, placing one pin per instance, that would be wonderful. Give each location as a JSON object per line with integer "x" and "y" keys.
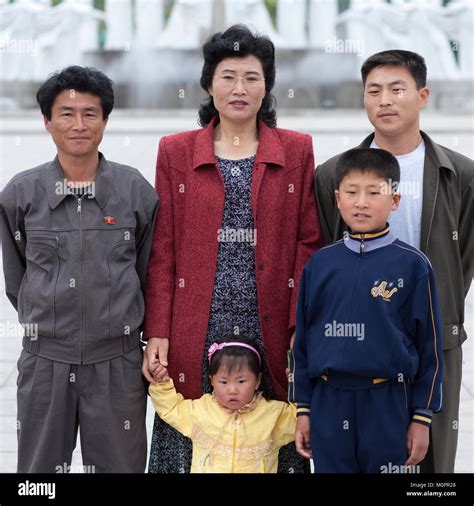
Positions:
{"x": 435, "y": 214}
{"x": 76, "y": 236}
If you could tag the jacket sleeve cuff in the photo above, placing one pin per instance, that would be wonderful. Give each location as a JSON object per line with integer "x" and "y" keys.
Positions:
{"x": 302, "y": 409}
{"x": 155, "y": 326}
{"x": 423, "y": 416}
{"x": 145, "y": 337}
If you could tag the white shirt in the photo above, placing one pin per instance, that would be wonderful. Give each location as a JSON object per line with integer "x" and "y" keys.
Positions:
{"x": 405, "y": 222}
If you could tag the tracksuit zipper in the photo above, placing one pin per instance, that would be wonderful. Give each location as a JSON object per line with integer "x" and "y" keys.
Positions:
{"x": 356, "y": 275}
{"x": 81, "y": 293}
{"x": 362, "y": 244}
{"x": 354, "y": 284}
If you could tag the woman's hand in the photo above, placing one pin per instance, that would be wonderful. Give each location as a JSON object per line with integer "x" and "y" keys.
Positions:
{"x": 156, "y": 350}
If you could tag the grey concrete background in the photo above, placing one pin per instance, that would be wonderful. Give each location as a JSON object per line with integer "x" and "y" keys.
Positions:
{"x": 132, "y": 138}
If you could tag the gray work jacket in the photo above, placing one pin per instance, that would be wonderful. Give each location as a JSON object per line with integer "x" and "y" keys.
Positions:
{"x": 75, "y": 268}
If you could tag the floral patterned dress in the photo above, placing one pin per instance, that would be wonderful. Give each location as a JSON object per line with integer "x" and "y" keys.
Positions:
{"x": 234, "y": 311}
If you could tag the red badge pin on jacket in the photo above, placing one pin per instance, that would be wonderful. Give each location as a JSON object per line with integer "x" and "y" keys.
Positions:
{"x": 109, "y": 220}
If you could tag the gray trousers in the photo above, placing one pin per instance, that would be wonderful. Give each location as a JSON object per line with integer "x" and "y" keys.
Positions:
{"x": 444, "y": 428}
{"x": 107, "y": 400}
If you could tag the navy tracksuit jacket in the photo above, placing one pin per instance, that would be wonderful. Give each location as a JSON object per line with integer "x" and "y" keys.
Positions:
{"x": 368, "y": 323}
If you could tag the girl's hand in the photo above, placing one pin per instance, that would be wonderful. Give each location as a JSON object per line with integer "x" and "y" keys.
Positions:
{"x": 418, "y": 440}
{"x": 159, "y": 372}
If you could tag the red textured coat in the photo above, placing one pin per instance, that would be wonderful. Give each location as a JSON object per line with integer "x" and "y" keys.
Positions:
{"x": 182, "y": 266}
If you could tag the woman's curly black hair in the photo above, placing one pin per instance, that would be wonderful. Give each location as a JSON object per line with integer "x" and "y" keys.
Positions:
{"x": 238, "y": 41}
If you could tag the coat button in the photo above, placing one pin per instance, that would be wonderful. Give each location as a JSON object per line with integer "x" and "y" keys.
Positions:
{"x": 261, "y": 266}
{"x": 265, "y": 317}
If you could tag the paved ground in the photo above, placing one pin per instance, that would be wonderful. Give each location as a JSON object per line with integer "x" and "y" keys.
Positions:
{"x": 132, "y": 138}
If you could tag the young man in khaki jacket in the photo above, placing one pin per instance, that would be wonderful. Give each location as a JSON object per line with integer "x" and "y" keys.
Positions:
{"x": 435, "y": 214}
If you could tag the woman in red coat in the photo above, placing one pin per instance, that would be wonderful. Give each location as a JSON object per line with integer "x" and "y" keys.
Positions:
{"x": 236, "y": 224}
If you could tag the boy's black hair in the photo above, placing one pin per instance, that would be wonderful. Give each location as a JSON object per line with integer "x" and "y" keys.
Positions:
{"x": 413, "y": 62}
{"x": 237, "y": 42}
{"x": 378, "y": 161}
{"x": 234, "y": 357}
{"x": 81, "y": 79}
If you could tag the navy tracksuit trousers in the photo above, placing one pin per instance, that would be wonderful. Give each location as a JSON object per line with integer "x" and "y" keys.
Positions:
{"x": 358, "y": 426}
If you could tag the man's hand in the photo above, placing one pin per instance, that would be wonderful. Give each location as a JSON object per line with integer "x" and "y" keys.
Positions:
{"x": 418, "y": 440}
{"x": 302, "y": 436}
{"x": 156, "y": 349}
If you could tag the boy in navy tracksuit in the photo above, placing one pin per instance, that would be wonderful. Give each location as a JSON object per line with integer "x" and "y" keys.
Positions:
{"x": 367, "y": 358}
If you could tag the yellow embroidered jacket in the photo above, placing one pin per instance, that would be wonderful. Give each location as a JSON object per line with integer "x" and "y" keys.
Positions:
{"x": 224, "y": 441}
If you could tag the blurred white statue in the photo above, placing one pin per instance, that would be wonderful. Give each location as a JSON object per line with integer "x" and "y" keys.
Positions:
{"x": 188, "y": 25}
{"x": 19, "y": 31}
{"x": 149, "y": 20}
{"x": 423, "y": 33}
{"x": 370, "y": 27}
{"x": 322, "y": 22}
{"x": 89, "y": 35}
{"x": 255, "y": 15}
{"x": 191, "y": 21}
{"x": 291, "y": 17}
{"x": 417, "y": 26}
{"x": 460, "y": 13}
{"x": 119, "y": 24}
{"x": 39, "y": 39}
{"x": 63, "y": 45}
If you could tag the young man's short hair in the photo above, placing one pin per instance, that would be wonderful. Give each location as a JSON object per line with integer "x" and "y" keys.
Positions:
{"x": 413, "y": 62}
{"x": 376, "y": 161}
{"x": 81, "y": 79}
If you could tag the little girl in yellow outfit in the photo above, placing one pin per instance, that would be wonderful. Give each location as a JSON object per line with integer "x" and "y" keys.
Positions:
{"x": 234, "y": 429}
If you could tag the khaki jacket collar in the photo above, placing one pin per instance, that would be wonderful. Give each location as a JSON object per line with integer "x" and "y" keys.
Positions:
{"x": 437, "y": 155}
{"x": 435, "y": 160}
